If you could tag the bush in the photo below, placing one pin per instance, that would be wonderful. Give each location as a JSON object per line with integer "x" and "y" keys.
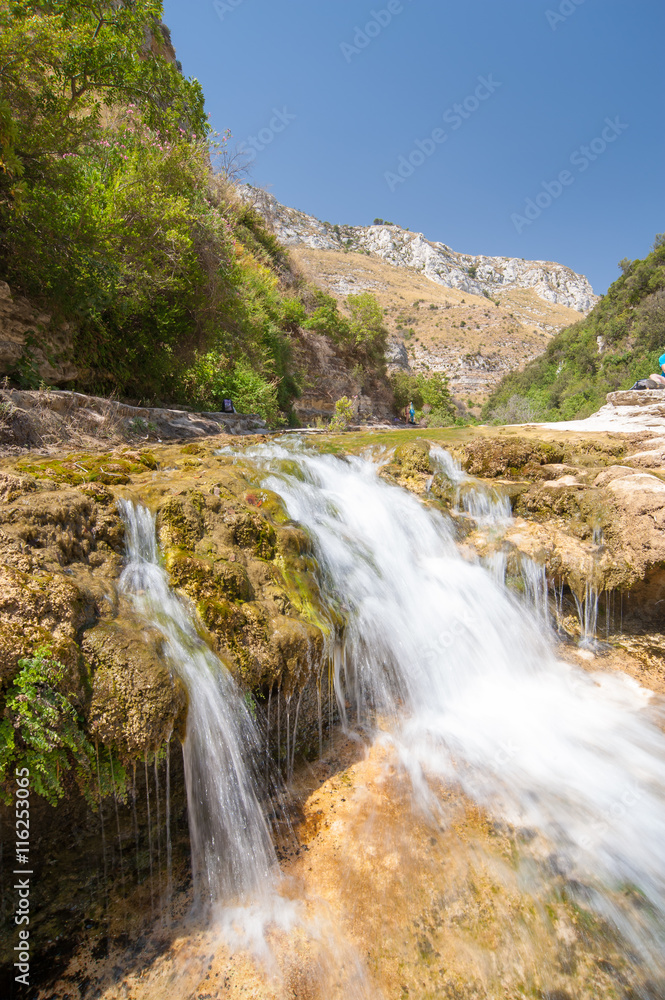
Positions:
{"x": 343, "y": 414}
{"x": 424, "y": 390}
{"x": 41, "y": 731}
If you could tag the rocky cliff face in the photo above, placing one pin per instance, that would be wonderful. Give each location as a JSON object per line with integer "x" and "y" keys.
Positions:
{"x": 477, "y": 275}
{"x": 31, "y": 343}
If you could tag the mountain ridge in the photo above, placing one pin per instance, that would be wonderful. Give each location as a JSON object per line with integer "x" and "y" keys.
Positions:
{"x": 475, "y": 274}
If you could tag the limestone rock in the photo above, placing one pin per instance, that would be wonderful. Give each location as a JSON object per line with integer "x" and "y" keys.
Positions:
{"x": 30, "y": 419}
{"x": 50, "y": 345}
{"x": 637, "y": 397}
{"x": 477, "y": 275}
{"x": 136, "y": 700}
{"x": 396, "y": 355}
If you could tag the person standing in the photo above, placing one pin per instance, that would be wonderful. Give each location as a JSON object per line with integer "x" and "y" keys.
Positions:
{"x": 412, "y": 414}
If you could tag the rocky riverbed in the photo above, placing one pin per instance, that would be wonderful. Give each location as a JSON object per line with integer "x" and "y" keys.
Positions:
{"x": 585, "y": 509}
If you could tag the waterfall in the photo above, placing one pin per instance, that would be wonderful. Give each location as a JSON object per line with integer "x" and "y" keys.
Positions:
{"x": 232, "y": 853}
{"x": 467, "y": 685}
{"x": 485, "y": 505}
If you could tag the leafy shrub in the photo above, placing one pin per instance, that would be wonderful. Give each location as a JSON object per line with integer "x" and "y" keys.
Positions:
{"x": 424, "y": 390}
{"x": 343, "y": 414}
{"x": 42, "y": 731}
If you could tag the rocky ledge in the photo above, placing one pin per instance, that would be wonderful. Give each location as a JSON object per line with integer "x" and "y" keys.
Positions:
{"x": 31, "y": 419}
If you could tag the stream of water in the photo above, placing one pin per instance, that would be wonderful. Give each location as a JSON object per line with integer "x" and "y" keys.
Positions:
{"x": 455, "y": 672}
{"x": 469, "y": 688}
{"x": 232, "y": 852}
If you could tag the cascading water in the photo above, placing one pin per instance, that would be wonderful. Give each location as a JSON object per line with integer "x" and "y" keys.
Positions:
{"x": 472, "y": 692}
{"x": 485, "y": 506}
{"x": 232, "y": 852}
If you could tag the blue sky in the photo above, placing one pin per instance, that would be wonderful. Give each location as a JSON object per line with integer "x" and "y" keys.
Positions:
{"x": 555, "y": 151}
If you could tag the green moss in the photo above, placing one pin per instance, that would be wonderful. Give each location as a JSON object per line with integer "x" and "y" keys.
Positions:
{"x": 413, "y": 457}
{"x": 180, "y": 524}
{"x": 77, "y": 469}
{"x": 202, "y": 579}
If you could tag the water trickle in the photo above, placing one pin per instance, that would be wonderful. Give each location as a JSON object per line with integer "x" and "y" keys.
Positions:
{"x": 536, "y": 591}
{"x": 169, "y": 846}
{"x": 295, "y": 733}
{"x": 117, "y": 822}
{"x": 464, "y": 678}
{"x": 587, "y": 611}
{"x": 135, "y": 823}
{"x": 159, "y": 822}
{"x": 232, "y": 853}
{"x": 147, "y": 799}
{"x": 101, "y": 820}
{"x": 482, "y": 503}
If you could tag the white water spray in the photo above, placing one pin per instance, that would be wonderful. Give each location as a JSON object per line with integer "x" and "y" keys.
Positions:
{"x": 232, "y": 852}
{"x": 475, "y": 693}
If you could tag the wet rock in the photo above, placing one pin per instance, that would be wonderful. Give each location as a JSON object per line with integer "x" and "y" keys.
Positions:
{"x": 413, "y": 457}
{"x": 136, "y": 700}
{"x": 511, "y": 458}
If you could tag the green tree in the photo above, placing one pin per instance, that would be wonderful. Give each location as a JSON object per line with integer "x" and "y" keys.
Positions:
{"x": 66, "y": 64}
{"x": 366, "y": 327}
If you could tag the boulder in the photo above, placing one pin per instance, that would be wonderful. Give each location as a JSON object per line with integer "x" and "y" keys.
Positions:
{"x": 137, "y": 702}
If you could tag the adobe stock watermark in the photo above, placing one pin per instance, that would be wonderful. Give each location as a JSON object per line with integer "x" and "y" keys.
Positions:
{"x": 610, "y": 817}
{"x": 224, "y": 7}
{"x": 581, "y": 159}
{"x": 255, "y": 144}
{"x": 22, "y": 876}
{"x": 463, "y": 625}
{"x": 455, "y": 117}
{"x": 377, "y": 23}
{"x": 565, "y": 10}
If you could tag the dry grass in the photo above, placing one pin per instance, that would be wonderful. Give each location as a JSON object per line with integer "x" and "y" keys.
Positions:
{"x": 42, "y": 427}
{"x": 452, "y": 330}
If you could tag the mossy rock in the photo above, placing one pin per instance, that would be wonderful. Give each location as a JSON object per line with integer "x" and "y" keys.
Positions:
{"x": 136, "y": 700}
{"x": 443, "y": 490}
{"x": 109, "y": 469}
{"x": 203, "y": 580}
{"x": 496, "y": 457}
{"x": 581, "y": 511}
{"x": 17, "y": 644}
{"x": 180, "y": 523}
{"x": 251, "y": 531}
{"x": 13, "y": 487}
{"x": 413, "y": 457}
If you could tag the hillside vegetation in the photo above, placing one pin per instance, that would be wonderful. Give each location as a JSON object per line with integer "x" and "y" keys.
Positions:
{"x": 113, "y": 219}
{"x": 618, "y": 342}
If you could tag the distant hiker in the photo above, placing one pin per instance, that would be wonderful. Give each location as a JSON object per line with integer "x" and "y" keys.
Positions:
{"x": 412, "y": 412}
{"x": 654, "y": 381}
{"x": 227, "y": 406}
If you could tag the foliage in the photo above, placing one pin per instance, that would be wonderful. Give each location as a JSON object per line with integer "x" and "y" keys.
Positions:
{"x": 42, "y": 731}
{"x": 363, "y": 330}
{"x": 119, "y": 226}
{"x": 112, "y": 220}
{"x": 616, "y": 344}
{"x": 366, "y": 326}
{"x": 327, "y": 319}
{"x": 429, "y": 390}
{"x": 343, "y": 414}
